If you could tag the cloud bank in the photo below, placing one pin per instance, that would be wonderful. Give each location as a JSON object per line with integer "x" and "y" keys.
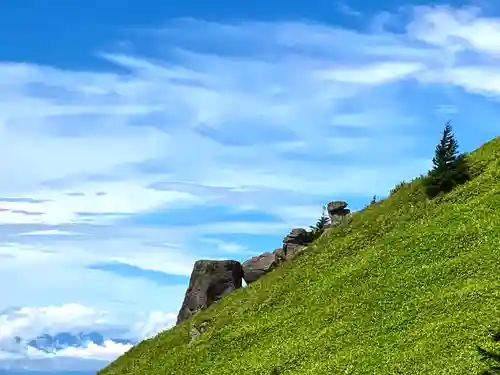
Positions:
{"x": 19, "y": 326}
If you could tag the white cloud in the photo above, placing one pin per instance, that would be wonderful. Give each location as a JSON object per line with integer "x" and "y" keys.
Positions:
{"x": 241, "y": 227}
{"x": 457, "y": 29}
{"x": 160, "y": 100}
{"x": 225, "y": 246}
{"x": 49, "y": 232}
{"x": 475, "y": 79}
{"x": 106, "y": 352}
{"x": 28, "y": 323}
{"x": 455, "y": 32}
{"x": 102, "y": 126}
{"x": 120, "y": 198}
{"x": 449, "y": 109}
{"x": 375, "y": 74}
{"x": 154, "y": 323}
{"x": 31, "y": 322}
{"x": 346, "y": 9}
{"x": 321, "y": 113}
{"x": 62, "y": 276}
{"x": 89, "y": 357}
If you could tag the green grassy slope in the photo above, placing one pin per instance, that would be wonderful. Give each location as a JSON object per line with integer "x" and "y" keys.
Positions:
{"x": 410, "y": 286}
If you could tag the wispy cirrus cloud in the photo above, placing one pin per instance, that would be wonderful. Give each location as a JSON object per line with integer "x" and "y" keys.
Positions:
{"x": 127, "y": 270}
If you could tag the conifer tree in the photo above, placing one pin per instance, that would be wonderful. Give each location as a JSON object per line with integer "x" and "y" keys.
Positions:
{"x": 446, "y": 150}
{"x": 321, "y": 224}
{"x": 450, "y": 168}
{"x": 322, "y": 221}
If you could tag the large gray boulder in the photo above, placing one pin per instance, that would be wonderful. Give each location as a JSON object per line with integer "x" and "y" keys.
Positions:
{"x": 337, "y": 212}
{"x": 256, "y": 267}
{"x": 210, "y": 281}
{"x": 296, "y": 241}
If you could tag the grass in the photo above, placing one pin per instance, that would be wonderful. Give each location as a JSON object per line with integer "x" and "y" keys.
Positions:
{"x": 408, "y": 286}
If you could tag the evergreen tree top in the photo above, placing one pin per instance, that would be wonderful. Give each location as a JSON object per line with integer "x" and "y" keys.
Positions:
{"x": 322, "y": 221}
{"x": 447, "y": 149}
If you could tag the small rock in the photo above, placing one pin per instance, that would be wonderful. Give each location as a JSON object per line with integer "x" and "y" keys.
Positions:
{"x": 337, "y": 212}
{"x": 254, "y": 268}
{"x": 296, "y": 241}
{"x": 293, "y": 249}
{"x": 197, "y": 331}
{"x": 336, "y": 206}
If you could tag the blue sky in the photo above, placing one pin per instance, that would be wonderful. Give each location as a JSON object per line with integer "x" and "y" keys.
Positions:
{"x": 137, "y": 139}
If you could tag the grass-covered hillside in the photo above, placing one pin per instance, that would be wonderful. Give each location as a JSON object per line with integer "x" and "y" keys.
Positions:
{"x": 409, "y": 286}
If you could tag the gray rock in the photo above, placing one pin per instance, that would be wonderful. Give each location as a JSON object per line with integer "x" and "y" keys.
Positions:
{"x": 337, "y": 212}
{"x": 256, "y": 267}
{"x": 296, "y": 241}
{"x": 336, "y": 206}
{"x": 293, "y": 249}
{"x": 210, "y": 281}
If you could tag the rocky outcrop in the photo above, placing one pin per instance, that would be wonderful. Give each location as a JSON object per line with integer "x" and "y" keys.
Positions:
{"x": 254, "y": 268}
{"x": 296, "y": 241}
{"x": 337, "y": 212}
{"x": 210, "y": 281}
{"x": 258, "y": 266}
